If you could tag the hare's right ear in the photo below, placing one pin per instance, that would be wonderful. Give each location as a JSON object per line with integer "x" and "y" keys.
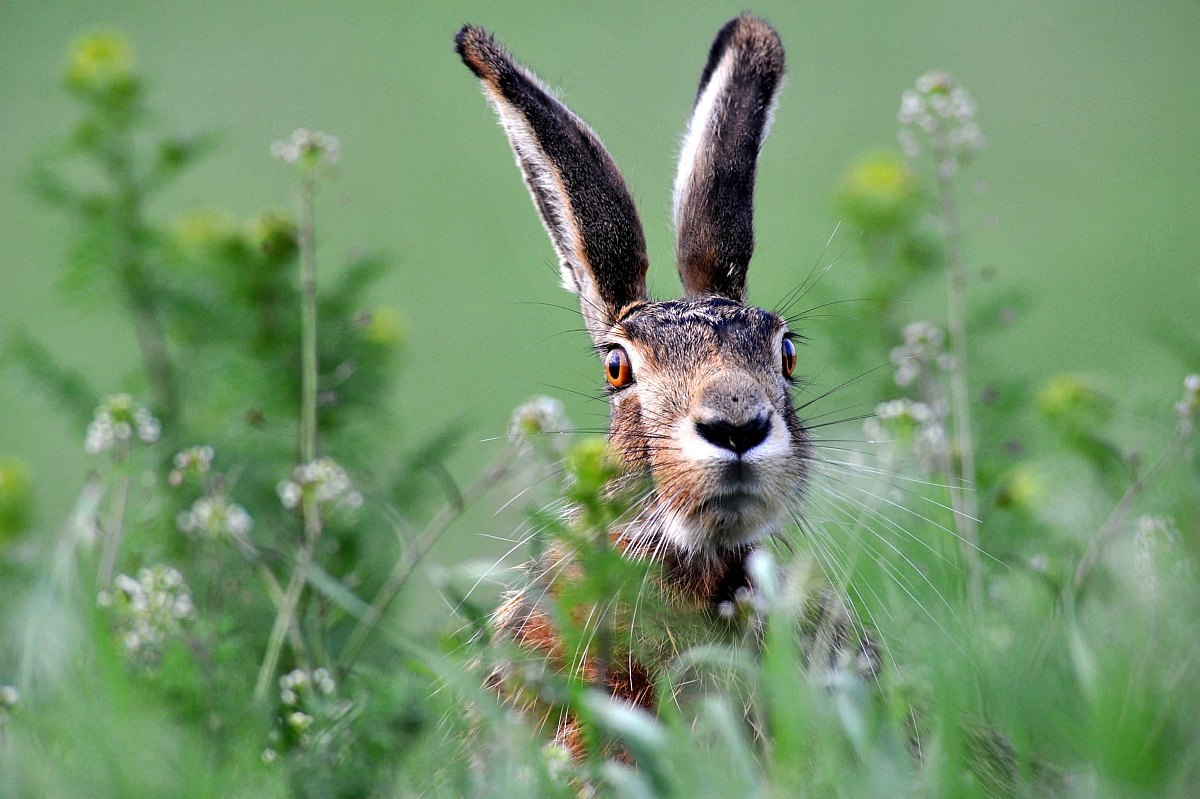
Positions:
{"x": 575, "y": 185}
{"x": 714, "y": 187}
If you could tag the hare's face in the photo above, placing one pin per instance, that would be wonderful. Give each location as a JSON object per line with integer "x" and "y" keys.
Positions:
{"x": 700, "y": 397}
{"x": 706, "y": 411}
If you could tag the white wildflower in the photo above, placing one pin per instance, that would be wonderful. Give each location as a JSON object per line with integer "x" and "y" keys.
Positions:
{"x": 289, "y": 494}
{"x": 540, "y": 423}
{"x": 918, "y": 426}
{"x": 324, "y": 681}
{"x": 325, "y": 479}
{"x": 299, "y": 721}
{"x": 1154, "y": 537}
{"x": 150, "y": 609}
{"x": 290, "y": 684}
{"x": 306, "y": 144}
{"x": 215, "y": 516}
{"x": 539, "y": 415}
{"x": 1190, "y": 404}
{"x": 942, "y": 113}
{"x": 298, "y": 683}
{"x": 924, "y": 347}
{"x": 117, "y": 422}
{"x": 191, "y": 461}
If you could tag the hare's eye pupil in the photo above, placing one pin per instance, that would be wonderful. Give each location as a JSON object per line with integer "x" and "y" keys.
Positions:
{"x": 616, "y": 368}
{"x": 789, "y": 357}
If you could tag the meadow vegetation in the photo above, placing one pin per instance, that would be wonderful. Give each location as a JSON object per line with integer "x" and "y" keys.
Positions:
{"x": 220, "y": 613}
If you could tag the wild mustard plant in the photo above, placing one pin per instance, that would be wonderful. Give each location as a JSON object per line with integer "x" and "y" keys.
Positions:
{"x": 119, "y": 422}
{"x": 940, "y": 114}
{"x": 149, "y": 610}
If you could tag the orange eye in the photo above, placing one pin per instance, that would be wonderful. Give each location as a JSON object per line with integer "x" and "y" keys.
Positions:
{"x": 789, "y": 357}
{"x": 617, "y": 369}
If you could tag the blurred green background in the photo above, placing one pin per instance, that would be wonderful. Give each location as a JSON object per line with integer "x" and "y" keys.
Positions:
{"x": 1086, "y": 196}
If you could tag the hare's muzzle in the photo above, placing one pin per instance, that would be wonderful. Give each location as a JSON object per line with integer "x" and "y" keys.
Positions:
{"x": 738, "y": 437}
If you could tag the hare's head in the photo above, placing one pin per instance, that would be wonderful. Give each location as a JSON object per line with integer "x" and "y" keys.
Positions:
{"x": 700, "y": 386}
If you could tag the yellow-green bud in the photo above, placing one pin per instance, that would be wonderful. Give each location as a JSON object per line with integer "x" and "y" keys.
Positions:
{"x": 1075, "y": 402}
{"x": 100, "y": 63}
{"x": 197, "y": 231}
{"x": 385, "y": 327}
{"x": 592, "y": 464}
{"x": 878, "y": 193}
{"x": 274, "y": 235}
{"x": 16, "y": 498}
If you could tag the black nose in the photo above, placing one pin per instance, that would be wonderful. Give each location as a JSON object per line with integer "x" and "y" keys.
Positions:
{"x": 738, "y": 438}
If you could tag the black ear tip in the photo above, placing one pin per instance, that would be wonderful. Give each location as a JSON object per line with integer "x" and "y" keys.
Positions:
{"x": 467, "y": 39}
{"x": 755, "y": 37}
{"x": 477, "y": 49}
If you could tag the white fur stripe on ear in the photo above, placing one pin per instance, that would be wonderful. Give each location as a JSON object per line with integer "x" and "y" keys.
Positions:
{"x": 713, "y": 203}
{"x": 576, "y": 188}
{"x": 557, "y": 215}
{"x": 698, "y": 131}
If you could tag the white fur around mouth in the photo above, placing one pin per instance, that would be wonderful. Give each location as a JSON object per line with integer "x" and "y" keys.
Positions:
{"x": 724, "y": 519}
{"x": 694, "y": 448}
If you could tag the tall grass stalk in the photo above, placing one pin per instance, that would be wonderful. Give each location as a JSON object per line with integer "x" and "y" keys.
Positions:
{"x": 411, "y": 556}
{"x": 113, "y": 533}
{"x": 1114, "y": 524}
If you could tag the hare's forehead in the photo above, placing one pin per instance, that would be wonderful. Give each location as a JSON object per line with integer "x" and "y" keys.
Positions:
{"x": 682, "y": 331}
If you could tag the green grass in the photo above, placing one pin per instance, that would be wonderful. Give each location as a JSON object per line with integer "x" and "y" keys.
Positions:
{"x": 1059, "y": 657}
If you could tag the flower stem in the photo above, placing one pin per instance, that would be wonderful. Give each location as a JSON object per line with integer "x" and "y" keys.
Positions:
{"x": 310, "y": 509}
{"x": 136, "y": 285}
{"x": 962, "y": 487}
{"x": 308, "y": 322}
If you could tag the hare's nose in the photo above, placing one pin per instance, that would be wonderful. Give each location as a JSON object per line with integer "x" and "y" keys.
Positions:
{"x": 739, "y": 438}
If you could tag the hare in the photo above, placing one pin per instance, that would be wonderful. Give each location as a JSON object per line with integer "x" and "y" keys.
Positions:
{"x": 699, "y": 387}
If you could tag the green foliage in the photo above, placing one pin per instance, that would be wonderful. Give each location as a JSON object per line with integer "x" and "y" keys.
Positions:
{"x": 221, "y": 615}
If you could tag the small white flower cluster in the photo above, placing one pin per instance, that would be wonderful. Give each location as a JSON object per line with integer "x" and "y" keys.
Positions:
{"x": 195, "y": 461}
{"x": 10, "y": 697}
{"x": 214, "y": 516}
{"x": 299, "y": 721}
{"x": 326, "y": 479}
{"x": 746, "y": 604}
{"x": 119, "y": 420}
{"x": 297, "y": 682}
{"x": 1154, "y": 537}
{"x": 308, "y": 701}
{"x": 918, "y": 424}
{"x": 944, "y": 112}
{"x": 150, "y": 610}
{"x": 1189, "y": 406}
{"x": 924, "y": 347}
{"x": 1155, "y": 529}
{"x": 305, "y": 144}
{"x": 536, "y": 418}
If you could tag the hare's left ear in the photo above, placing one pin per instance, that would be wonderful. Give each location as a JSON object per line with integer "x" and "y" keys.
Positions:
{"x": 714, "y": 187}
{"x": 576, "y": 187}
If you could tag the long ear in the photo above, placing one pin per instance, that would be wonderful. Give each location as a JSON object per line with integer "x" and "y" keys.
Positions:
{"x": 575, "y": 185}
{"x": 714, "y": 187}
